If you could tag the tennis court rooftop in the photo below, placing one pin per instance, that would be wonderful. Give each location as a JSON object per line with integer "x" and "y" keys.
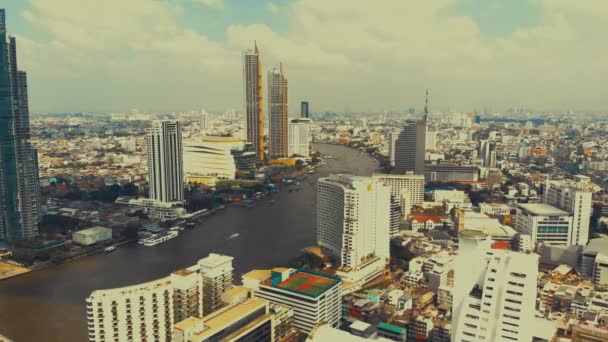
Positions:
{"x": 303, "y": 282}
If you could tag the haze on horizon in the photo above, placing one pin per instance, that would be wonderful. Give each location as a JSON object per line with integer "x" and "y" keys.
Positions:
{"x": 356, "y": 55}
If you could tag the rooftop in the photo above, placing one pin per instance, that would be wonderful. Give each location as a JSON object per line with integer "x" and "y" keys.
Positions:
{"x": 303, "y": 282}
{"x": 542, "y": 209}
{"x": 473, "y": 234}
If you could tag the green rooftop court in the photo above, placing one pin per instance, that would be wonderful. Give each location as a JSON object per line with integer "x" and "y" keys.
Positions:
{"x": 307, "y": 283}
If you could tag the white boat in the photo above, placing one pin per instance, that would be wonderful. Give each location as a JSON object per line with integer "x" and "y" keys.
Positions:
{"x": 158, "y": 239}
{"x": 109, "y": 249}
{"x": 233, "y": 236}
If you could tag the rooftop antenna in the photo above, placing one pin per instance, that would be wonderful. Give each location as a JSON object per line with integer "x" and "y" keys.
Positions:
{"x": 426, "y": 106}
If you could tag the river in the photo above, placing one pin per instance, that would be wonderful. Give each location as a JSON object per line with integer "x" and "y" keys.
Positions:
{"x": 49, "y": 305}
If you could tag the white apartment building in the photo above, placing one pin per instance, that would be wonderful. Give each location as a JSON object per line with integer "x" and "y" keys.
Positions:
{"x": 408, "y": 188}
{"x": 544, "y": 223}
{"x": 494, "y": 292}
{"x": 314, "y": 298}
{"x": 575, "y": 198}
{"x": 217, "y": 273}
{"x": 145, "y": 311}
{"x": 165, "y": 161}
{"x": 298, "y": 137}
{"x": 353, "y": 219}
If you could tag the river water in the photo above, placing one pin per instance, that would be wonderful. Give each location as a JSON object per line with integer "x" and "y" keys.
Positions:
{"x": 49, "y": 305}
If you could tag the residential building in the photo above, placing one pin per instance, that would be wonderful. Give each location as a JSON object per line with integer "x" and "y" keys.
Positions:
{"x": 410, "y": 148}
{"x": 595, "y": 261}
{"x": 165, "y": 161}
{"x": 299, "y": 138}
{"x": 217, "y": 273}
{"x": 450, "y": 173}
{"x": 252, "y": 79}
{"x": 277, "y": 113}
{"x": 407, "y": 188}
{"x": 544, "y": 223}
{"x": 494, "y": 291}
{"x": 353, "y": 222}
{"x": 314, "y": 298}
{"x": 575, "y": 198}
{"x": 19, "y": 185}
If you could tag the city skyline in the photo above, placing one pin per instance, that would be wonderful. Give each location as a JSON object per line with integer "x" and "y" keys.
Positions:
{"x": 473, "y": 54}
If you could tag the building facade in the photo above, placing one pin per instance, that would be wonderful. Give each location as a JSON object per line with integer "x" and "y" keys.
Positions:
{"x": 19, "y": 194}
{"x": 299, "y": 138}
{"x": 544, "y": 223}
{"x": 277, "y": 113}
{"x": 353, "y": 218}
{"x": 252, "y": 78}
{"x": 217, "y": 274}
{"x": 410, "y": 148}
{"x": 165, "y": 161}
{"x": 575, "y": 198}
{"x": 408, "y": 189}
{"x": 494, "y": 292}
{"x": 304, "y": 109}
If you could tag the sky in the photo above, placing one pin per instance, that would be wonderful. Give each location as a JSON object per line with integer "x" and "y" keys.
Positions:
{"x": 340, "y": 55}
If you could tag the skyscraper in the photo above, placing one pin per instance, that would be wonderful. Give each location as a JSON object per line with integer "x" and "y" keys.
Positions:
{"x": 304, "y": 110}
{"x": 204, "y": 122}
{"x": 277, "y": 112}
{"x": 165, "y": 161}
{"x": 409, "y": 148}
{"x": 353, "y": 218}
{"x": 19, "y": 202}
{"x": 494, "y": 292}
{"x": 487, "y": 153}
{"x": 252, "y": 77}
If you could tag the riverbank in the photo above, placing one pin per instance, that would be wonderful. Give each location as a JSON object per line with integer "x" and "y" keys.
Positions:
{"x": 54, "y": 297}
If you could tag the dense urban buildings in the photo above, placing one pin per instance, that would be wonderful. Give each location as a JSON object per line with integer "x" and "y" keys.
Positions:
{"x": 252, "y": 78}
{"x": 277, "y": 113}
{"x": 20, "y": 209}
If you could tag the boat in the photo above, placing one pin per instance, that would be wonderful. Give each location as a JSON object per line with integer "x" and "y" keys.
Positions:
{"x": 233, "y": 236}
{"x": 109, "y": 249}
{"x": 158, "y": 239}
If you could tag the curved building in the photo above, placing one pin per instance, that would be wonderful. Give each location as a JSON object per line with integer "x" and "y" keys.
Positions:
{"x": 211, "y": 156}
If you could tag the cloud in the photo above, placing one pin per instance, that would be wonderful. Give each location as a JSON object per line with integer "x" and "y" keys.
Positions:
{"x": 217, "y": 4}
{"x": 272, "y": 8}
{"x": 339, "y": 54}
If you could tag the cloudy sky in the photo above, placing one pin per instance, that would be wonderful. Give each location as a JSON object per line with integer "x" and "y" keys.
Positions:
{"x": 356, "y": 55}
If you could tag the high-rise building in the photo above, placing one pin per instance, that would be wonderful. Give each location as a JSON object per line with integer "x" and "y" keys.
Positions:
{"x": 575, "y": 198}
{"x": 487, "y": 153}
{"x": 408, "y": 189}
{"x": 494, "y": 292}
{"x": 353, "y": 219}
{"x": 217, "y": 279}
{"x": 392, "y": 142}
{"x": 314, "y": 298}
{"x": 410, "y": 147}
{"x": 204, "y": 122}
{"x": 165, "y": 161}
{"x": 145, "y": 311}
{"x": 299, "y": 137}
{"x": 277, "y": 113}
{"x": 19, "y": 193}
{"x": 304, "y": 110}
{"x": 544, "y": 223}
{"x": 252, "y": 77}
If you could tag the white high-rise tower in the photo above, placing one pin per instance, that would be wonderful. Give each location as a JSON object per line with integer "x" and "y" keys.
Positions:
{"x": 575, "y": 198}
{"x": 165, "y": 161}
{"x": 494, "y": 292}
{"x": 353, "y": 218}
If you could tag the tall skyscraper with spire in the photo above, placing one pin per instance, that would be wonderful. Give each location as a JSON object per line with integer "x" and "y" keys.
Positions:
{"x": 277, "y": 113}
{"x": 19, "y": 202}
{"x": 252, "y": 77}
{"x": 410, "y": 145}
